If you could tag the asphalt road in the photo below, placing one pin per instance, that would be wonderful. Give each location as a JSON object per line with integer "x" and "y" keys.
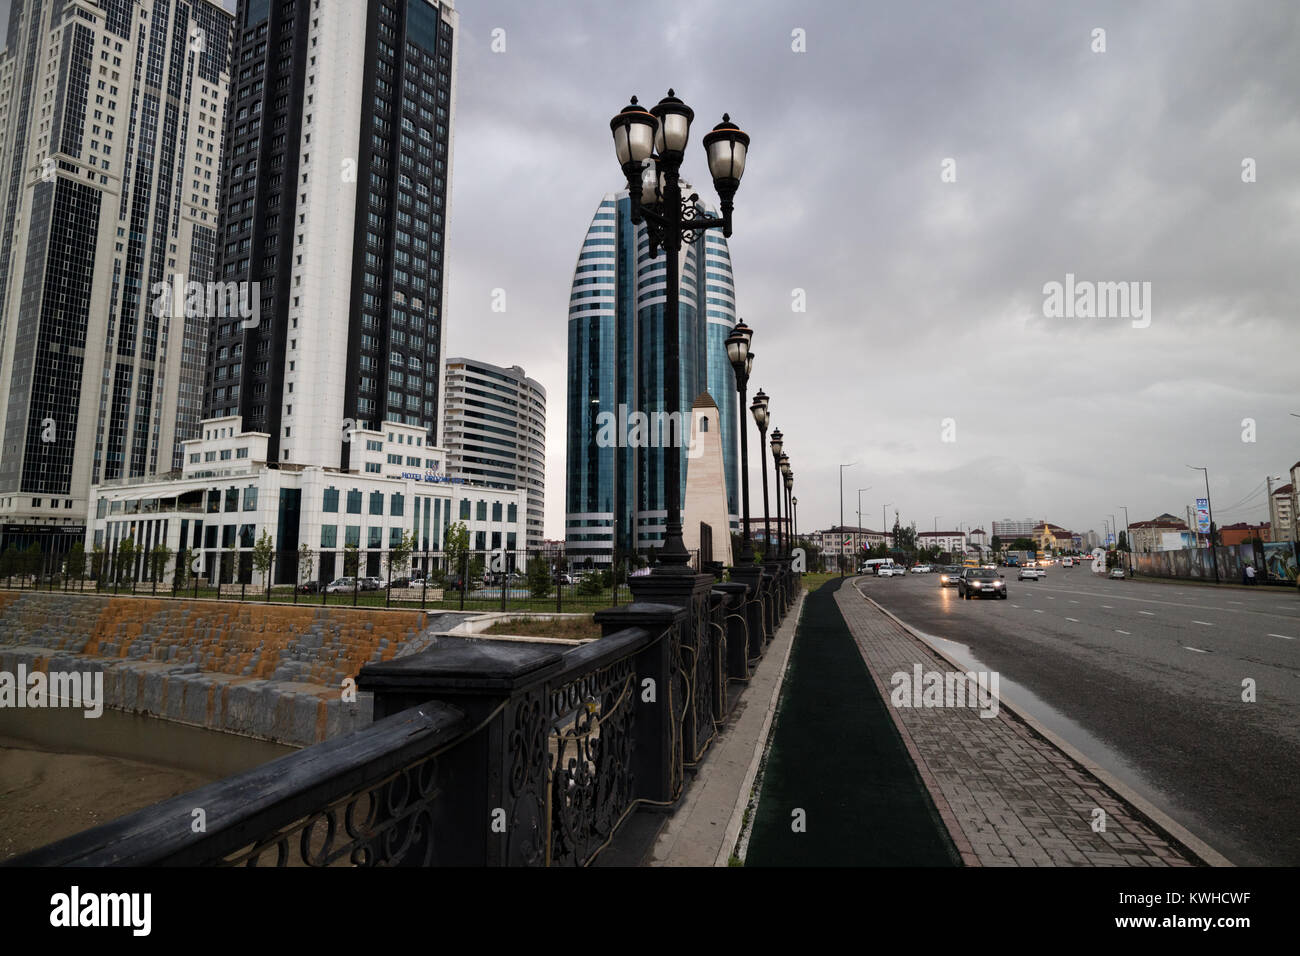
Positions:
{"x": 1147, "y": 680}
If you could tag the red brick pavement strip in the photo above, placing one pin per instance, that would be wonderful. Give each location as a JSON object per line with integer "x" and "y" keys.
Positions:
{"x": 1007, "y": 796}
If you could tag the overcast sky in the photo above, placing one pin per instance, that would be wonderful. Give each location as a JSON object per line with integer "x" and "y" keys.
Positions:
{"x": 925, "y": 298}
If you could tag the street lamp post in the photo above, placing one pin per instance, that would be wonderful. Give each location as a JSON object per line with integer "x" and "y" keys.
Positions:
{"x": 742, "y": 360}
{"x": 776, "y": 444}
{"x": 859, "y": 527}
{"x": 1128, "y": 542}
{"x": 650, "y": 146}
{"x": 789, "y": 511}
{"x": 839, "y": 537}
{"x": 784, "y": 476}
{"x": 1209, "y": 506}
{"x": 759, "y": 410}
{"x": 884, "y": 522}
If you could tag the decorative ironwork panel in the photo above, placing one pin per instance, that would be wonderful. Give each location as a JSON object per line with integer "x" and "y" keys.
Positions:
{"x": 591, "y": 719}
{"x": 388, "y": 824}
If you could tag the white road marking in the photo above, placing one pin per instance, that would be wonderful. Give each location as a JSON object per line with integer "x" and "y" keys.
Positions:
{"x": 1108, "y": 607}
{"x": 1074, "y": 619}
{"x": 1206, "y": 623}
{"x": 1234, "y": 602}
{"x": 1074, "y": 602}
{"x": 1148, "y": 613}
{"x": 1196, "y": 649}
{"x": 1283, "y": 636}
{"x": 1037, "y": 611}
{"x": 1118, "y": 631}
{"x": 1015, "y": 605}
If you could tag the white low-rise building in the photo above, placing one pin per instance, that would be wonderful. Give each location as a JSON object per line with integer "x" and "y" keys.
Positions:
{"x": 227, "y": 496}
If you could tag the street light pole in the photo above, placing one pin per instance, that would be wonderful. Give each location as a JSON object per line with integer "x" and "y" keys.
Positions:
{"x": 759, "y": 410}
{"x": 1209, "y": 506}
{"x": 775, "y": 445}
{"x": 884, "y": 522}
{"x": 858, "y": 529}
{"x": 742, "y": 360}
{"x": 839, "y": 544}
{"x": 650, "y": 146}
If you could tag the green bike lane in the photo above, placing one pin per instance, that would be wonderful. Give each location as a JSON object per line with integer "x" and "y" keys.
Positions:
{"x": 839, "y": 787}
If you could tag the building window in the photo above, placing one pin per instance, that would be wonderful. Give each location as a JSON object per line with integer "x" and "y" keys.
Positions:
{"x": 352, "y": 536}
{"x": 329, "y": 534}
{"x": 512, "y": 513}
{"x": 464, "y": 509}
{"x": 375, "y": 538}
{"x": 481, "y": 511}
{"x": 396, "y": 505}
{"x": 354, "y": 502}
{"x": 331, "y": 500}
{"x": 496, "y": 511}
{"x": 250, "y": 498}
{"x": 376, "y": 502}
{"x": 232, "y": 499}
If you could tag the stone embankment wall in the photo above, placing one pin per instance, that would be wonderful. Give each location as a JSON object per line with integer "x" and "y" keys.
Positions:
{"x": 269, "y": 671}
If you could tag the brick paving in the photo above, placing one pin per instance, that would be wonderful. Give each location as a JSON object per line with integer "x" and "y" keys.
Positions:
{"x": 1007, "y": 796}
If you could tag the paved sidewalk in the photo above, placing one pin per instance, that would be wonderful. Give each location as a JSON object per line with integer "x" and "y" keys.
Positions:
{"x": 1007, "y": 796}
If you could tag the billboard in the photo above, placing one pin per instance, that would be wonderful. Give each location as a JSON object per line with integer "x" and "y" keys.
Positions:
{"x": 1203, "y": 515}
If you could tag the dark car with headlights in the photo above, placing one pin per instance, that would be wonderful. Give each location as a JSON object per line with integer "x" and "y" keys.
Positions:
{"x": 949, "y": 576}
{"x": 980, "y": 582}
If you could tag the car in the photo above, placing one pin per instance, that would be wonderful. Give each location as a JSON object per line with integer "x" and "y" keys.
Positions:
{"x": 920, "y": 569}
{"x": 341, "y": 584}
{"x": 1117, "y": 573}
{"x": 1067, "y": 562}
{"x": 563, "y": 578}
{"x": 309, "y": 587}
{"x": 949, "y": 576}
{"x": 1032, "y": 574}
{"x": 372, "y": 584}
{"x": 979, "y": 582}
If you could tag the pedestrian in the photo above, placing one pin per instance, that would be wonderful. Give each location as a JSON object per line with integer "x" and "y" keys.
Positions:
{"x": 1250, "y": 574}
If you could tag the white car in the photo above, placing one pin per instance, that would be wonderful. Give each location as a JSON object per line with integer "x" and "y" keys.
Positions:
{"x": 886, "y": 571}
{"x": 921, "y": 569}
{"x": 1032, "y": 574}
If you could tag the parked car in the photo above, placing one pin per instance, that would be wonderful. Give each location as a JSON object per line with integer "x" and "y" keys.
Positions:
{"x": 1032, "y": 574}
{"x": 372, "y": 584}
{"x": 341, "y": 584}
{"x": 563, "y": 578}
{"x": 949, "y": 576}
{"x": 1117, "y": 573}
{"x": 980, "y": 582}
{"x": 309, "y": 587}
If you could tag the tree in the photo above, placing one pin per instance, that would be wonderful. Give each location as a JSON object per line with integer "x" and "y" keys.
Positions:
{"x": 539, "y": 577}
{"x": 32, "y": 559}
{"x": 350, "y": 560}
{"x": 306, "y": 564}
{"x": 181, "y": 574}
{"x": 1123, "y": 541}
{"x": 74, "y": 566}
{"x": 263, "y": 557}
{"x": 97, "y": 559}
{"x": 455, "y": 544}
{"x": 10, "y": 560}
{"x": 1023, "y": 544}
{"x": 996, "y": 544}
{"x": 399, "y": 555}
{"x": 158, "y": 559}
{"x": 126, "y": 560}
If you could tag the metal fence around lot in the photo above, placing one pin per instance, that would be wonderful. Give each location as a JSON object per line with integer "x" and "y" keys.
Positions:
{"x": 537, "y": 580}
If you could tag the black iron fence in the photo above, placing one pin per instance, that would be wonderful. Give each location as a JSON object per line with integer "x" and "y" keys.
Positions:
{"x": 538, "y": 580}
{"x": 486, "y": 752}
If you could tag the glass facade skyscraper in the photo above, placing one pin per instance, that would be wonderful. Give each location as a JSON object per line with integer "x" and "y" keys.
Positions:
{"x": 615, "y": 494}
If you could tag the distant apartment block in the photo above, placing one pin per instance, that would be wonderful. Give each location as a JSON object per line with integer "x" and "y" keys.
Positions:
{"x": 494, "y": 431}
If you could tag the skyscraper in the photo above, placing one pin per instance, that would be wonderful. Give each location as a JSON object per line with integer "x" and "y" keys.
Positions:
{"x": 615, "y": 489}
{"x": 110, "y": 156}
{"x": 494, "y": 431}
{"x": 335, "y": 202}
